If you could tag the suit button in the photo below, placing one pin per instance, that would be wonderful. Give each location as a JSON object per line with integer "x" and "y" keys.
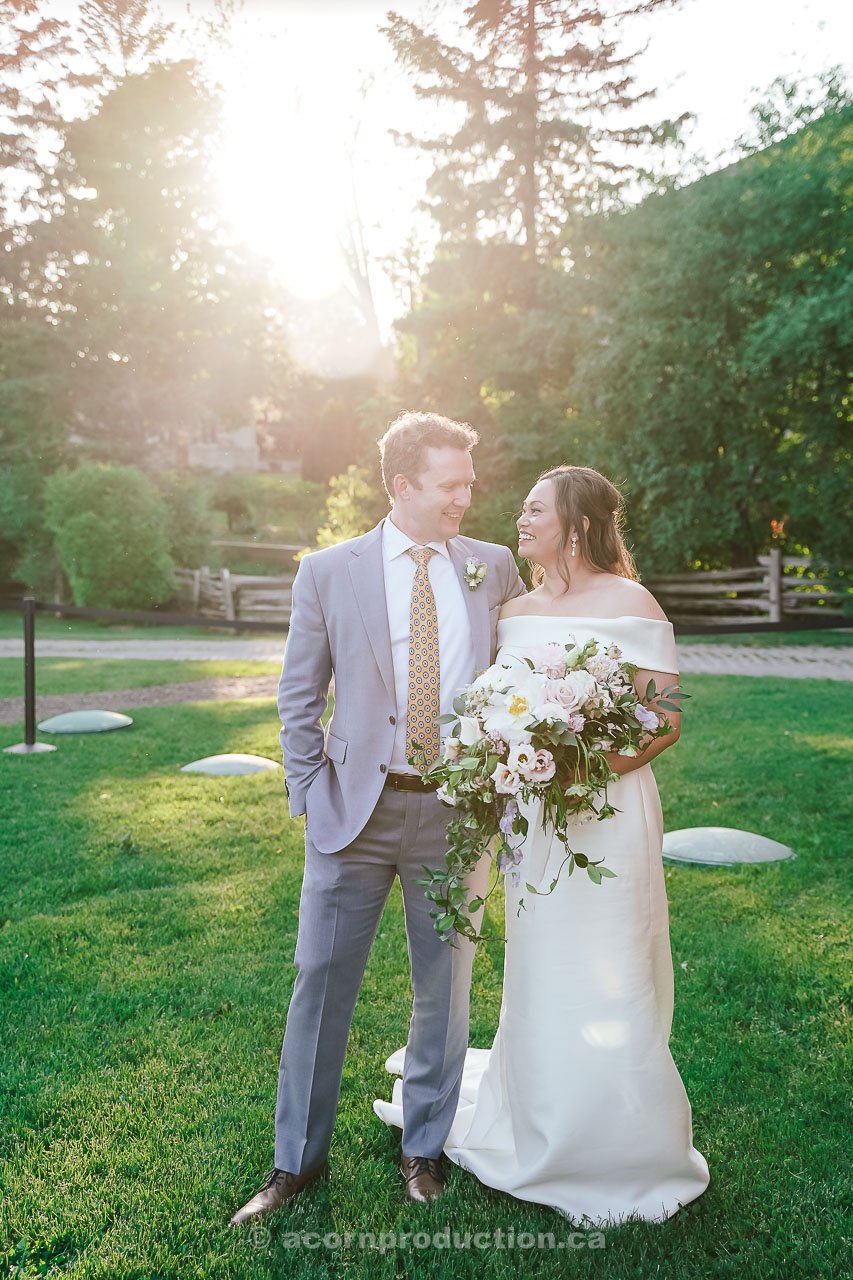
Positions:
{"x": 383, "y": 768}
{"x": 392, "y": 719}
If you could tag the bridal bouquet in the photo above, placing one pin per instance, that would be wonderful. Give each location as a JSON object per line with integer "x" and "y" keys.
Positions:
{"x": 537, "y": 729}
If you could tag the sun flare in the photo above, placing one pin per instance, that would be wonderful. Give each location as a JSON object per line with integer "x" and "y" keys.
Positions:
{"x": 283, "y": 171}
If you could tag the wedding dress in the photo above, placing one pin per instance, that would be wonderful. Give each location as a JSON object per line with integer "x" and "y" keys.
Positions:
{"x": 578, "y": 1104}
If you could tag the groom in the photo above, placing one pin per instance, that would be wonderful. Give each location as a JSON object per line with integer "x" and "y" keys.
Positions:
{"x": 401, "y": 618}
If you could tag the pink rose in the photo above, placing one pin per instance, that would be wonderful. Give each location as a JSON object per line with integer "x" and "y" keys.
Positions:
{"x": 573, "y": 691}
{"x": 550, "y": 659}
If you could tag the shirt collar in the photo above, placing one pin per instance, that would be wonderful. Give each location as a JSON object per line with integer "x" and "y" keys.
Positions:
{"x": 396, "y": 543}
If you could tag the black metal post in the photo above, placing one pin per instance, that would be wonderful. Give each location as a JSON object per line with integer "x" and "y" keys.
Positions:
{"x": 29, "y": 670}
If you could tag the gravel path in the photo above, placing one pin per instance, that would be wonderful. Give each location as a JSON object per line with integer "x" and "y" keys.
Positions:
{"x": 154, "y": 695}
{"x": 818, "y": 660}
{"x": 159, "y": 650}
{"x": 813, "y": 661}
{"x": 796, "y": 662}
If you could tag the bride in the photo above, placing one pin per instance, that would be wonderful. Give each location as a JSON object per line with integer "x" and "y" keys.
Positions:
{"x": 578, "y": 1104}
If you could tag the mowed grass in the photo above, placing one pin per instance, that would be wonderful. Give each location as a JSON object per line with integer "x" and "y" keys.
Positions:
{"x": 49, "y": 627}
{"x": 91, "y": 675}
{"x": 148, "y": 926}
{"x": 831, "y": 637}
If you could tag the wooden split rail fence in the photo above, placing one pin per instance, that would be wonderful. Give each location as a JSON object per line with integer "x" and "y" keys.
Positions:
{"x": 776, "y": 589}
{"x": 259, "y": 598}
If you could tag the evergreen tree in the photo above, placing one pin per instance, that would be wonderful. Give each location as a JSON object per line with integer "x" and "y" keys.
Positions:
{"x": 537, "y": 83}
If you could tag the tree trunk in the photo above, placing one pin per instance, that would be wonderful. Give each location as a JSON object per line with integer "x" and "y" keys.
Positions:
{"x": 529, "y": 140}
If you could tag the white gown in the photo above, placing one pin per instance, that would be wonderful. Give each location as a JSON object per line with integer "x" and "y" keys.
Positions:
{"x": 578, "y": 1104}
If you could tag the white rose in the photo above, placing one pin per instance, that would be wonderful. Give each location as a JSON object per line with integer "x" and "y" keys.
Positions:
{"x": 574, "y": 690}
{"x": 469, "y": 731}
{"x": 551, "y": 711}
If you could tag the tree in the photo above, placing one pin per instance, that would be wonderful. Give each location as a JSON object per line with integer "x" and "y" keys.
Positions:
{"x": 535, "y": 83}
{"x": 123, "y": 37}
{"x": 545, "y": 132}
{"x": 716, "y": 376}
{"x": 33, "y": 443}
{"x": 165, "y": 313}
{"x": 35, "y": 52}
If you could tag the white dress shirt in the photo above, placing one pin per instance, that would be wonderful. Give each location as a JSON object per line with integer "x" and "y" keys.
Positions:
{"x": 455, "y": 646}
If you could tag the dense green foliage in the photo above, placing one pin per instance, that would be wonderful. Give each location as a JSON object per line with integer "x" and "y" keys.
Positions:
{"x": 693, "y": 344}
{"x": 355, "y": 504}
{"x": 111, "y": 534}
{"x": 697, "y": 350}
{"x": 714, "y": 368}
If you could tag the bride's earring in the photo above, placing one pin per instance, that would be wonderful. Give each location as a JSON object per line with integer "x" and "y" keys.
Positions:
{"x": 574, "y": 544}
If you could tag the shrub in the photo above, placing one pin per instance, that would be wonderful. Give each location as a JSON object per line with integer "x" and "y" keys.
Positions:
{"x": 111, "y": 531}
{"x": 189, "y": 519}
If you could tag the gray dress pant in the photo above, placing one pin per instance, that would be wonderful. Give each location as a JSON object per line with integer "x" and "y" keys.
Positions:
{"x": 343, "y": 897}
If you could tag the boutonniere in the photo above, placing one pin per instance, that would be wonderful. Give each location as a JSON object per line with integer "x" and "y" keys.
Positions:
{"x": 475, "y": 572}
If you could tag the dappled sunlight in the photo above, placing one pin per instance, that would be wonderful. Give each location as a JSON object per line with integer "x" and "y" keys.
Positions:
{"x": 836, "y": 745}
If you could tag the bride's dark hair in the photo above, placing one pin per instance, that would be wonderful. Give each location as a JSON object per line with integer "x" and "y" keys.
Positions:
{"x": 579, "y": 492}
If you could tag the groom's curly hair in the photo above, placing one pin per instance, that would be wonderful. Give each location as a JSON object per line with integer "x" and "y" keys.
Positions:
{"x": 403, "y": 447}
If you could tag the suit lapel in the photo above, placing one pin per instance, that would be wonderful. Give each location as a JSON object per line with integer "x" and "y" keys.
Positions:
{"x": 367, "y": 574}
{"x": 477, "y": 604}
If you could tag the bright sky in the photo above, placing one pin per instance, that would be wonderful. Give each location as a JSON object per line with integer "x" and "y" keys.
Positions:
{"x": 304, "y": 61}
{"x": 293, "y": 104}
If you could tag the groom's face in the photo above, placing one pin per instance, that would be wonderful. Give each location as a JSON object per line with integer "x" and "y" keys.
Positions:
{"x": 430, "y": 506}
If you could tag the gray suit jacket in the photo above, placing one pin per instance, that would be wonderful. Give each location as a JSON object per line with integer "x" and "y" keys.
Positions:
{"x": 339, "y": 627}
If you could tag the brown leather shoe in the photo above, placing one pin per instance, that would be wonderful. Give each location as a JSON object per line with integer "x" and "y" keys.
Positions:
{"x": 423, "y": 1177}
{"x": 279, "y": 1187}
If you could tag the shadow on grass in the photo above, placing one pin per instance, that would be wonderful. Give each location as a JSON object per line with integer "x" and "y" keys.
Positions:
{"x": 145, "y": 985}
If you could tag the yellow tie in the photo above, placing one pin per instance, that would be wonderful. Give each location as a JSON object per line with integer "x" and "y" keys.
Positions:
{"x": 424, "y": 705}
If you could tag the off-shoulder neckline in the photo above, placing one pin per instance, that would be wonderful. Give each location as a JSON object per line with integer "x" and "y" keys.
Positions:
{"x": 585, "y": 617}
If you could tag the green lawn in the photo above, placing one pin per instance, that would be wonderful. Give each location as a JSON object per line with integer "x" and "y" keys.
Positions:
{"x": 91, "y": 675}
{"x": 49, "y": 627}
{"x": 835, "y": 637}
{"x": 148, "y": 924}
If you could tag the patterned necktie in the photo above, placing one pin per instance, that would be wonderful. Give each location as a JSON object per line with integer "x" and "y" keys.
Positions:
{"x": 424, "y": 705}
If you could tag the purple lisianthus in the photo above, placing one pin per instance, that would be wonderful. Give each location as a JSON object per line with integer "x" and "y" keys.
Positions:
{"x": 508, "y": 859}
{"x": 509, "y": 816}
{"x": 648, "y": 719}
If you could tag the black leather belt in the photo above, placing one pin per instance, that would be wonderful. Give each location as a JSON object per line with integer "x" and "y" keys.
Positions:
{"x": 409, "y": 782}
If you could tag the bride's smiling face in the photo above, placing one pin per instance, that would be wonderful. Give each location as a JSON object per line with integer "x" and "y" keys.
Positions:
{"x": 540, "y": 535}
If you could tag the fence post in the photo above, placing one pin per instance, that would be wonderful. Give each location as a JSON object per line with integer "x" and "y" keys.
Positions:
{"x": 227, "y": 594}
{"x": 774, "y": 585}
{"x": 29, "y": 747}
{"x": 29, "y": 670}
